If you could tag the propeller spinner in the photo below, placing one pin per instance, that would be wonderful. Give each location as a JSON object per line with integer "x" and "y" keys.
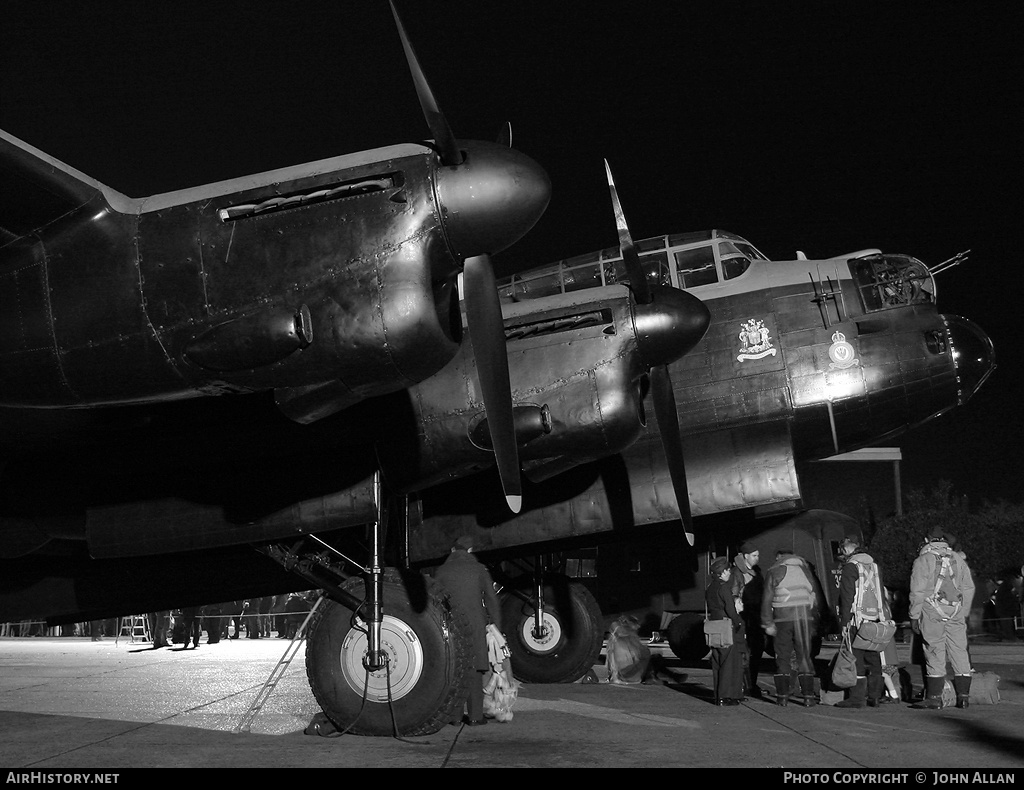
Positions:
{"x": 489, "y": 196}
{"x": 669, "y": 323}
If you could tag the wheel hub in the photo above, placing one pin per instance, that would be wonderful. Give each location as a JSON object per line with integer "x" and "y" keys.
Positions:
{"x": 404, "y": 661}
{"x": 545, "y": 642}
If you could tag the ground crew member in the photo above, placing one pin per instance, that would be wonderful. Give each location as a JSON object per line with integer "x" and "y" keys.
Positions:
{"x": 748, "y": 589}
{"x": 470, "y": 585}
{"x": 789, "y": 613}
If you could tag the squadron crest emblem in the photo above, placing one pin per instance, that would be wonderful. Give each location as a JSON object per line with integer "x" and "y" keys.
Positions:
{"x": 841, "y": 353}
{"x": 755, "y": 342}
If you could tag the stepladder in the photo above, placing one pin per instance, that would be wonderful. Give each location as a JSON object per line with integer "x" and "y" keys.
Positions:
{"x": 136, "y": 627}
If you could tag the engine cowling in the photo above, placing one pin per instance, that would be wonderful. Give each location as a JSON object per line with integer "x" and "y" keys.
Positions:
{"x": 577, "y": 373}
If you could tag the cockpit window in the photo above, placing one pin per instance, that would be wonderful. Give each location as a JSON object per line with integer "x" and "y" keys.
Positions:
{"x": 696, "y": 267}
{"x": 581, "y": 272}
{"x": 734, "y": 262}
{"x": 656, "y": 268}
{"x": 891, "y": 280}
{"x": 751, "y": 251}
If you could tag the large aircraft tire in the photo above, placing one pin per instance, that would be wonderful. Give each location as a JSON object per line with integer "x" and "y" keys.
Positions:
{"x": 427, "y": 643}
{"x": 686, "y": 636}
{"x": 575, "y": 633}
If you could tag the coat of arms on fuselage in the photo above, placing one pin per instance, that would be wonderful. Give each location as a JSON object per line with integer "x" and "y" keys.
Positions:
{"x": 841, "y": 353}
{"x": 755, "y": 341}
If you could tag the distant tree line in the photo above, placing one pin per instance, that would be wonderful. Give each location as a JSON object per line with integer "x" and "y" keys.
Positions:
{"x": 992, "y": 536}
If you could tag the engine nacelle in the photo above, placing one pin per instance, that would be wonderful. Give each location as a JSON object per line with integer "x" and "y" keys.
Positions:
{"x": 576, "y": 377}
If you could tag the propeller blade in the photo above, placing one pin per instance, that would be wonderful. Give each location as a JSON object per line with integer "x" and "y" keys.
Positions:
{"x": 505, "y": 135}
{"x": 664, "y": 332}
{"x": 668, "y": 423}
{"x": 637, "y": 279}
{"x": 444, "y": 140}
{"x": 487, "y": 334}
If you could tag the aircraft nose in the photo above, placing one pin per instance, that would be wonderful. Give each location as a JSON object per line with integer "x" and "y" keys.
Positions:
{"x": 973, "y": 354}
{"x": 670, "y": 325}
{"x": 491, "y": 199}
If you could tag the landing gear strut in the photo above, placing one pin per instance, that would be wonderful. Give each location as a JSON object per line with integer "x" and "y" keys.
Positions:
{"x": 553, "y": 626}
{"x": 389, "y": 654}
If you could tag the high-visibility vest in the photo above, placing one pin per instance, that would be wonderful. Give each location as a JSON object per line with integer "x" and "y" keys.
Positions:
{"x": 795, "y": 588}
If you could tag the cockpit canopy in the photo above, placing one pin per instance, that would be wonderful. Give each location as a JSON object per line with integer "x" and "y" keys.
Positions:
{"x": 683, "y": 260}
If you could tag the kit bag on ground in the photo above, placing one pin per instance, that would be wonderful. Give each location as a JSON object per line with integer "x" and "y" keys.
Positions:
{"x": 718, "y": 633}
{"x": 984, "y": 688}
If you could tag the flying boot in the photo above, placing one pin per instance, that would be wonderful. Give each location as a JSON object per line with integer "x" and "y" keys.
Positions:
{"x": 856, "y": 698}
{"x": 876, "y": 691}
{"x": 962, "y": 686}
{"x": 892, "y": 692}
{"x": 807, "y": 690}
{"x": 933, "y": 694}
{"x": 782, "y": 690}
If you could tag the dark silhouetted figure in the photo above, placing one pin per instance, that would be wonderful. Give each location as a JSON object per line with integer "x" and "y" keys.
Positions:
{"x": 472, "y": 589}
{"x": 748, "y": 587}
{"x": 191, "y": 615}
{"x": 726, "y": 662}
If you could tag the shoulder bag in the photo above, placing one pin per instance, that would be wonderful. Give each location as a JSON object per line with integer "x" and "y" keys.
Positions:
{"x": 718, "y": 633}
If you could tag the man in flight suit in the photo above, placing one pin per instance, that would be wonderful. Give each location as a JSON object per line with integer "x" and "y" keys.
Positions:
{"x": 862, "y": 599}
{"x": 941, "y": 593}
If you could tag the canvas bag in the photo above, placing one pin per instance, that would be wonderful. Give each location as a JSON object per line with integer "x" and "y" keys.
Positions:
{"x": 718, "y": 633}
{"x": 844, "y": 665}
{"x": 874, "y": 633}
{"x": 984, "y": 688}
{"x": 873, "y": 636}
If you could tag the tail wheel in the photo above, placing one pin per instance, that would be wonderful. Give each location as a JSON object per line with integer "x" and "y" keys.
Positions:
{"x": 570, "y": 642}
{"x": 426, "y": 641}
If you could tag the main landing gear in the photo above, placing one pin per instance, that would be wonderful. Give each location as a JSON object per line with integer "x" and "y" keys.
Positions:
{"x": 389, "y": 653}
{"x": 553, "y": 626}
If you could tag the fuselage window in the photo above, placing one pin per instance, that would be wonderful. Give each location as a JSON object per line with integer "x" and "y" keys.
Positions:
{"x": 696, "y": 267}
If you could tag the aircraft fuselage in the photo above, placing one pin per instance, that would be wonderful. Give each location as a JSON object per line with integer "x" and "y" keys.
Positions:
{"x": 802, "y": 360}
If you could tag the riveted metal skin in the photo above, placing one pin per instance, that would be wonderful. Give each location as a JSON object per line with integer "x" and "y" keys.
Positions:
{"x": 124, "y": 301}
{"x": 580, "y": 358}
{"x": 821, "y": 377}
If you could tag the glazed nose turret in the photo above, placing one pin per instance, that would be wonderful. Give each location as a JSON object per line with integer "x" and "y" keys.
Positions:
{"x": 490, "y": 199}
{"x": 973, "y": 354}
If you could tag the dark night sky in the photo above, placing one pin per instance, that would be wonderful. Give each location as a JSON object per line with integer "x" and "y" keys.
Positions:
{"x": 815, "y": 127}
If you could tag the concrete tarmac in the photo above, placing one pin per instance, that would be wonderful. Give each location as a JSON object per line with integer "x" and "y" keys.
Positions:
{"x": 70, "y": 703}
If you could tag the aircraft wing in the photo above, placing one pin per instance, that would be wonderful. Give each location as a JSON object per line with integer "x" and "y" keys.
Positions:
{"x": 37, "y": 189}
